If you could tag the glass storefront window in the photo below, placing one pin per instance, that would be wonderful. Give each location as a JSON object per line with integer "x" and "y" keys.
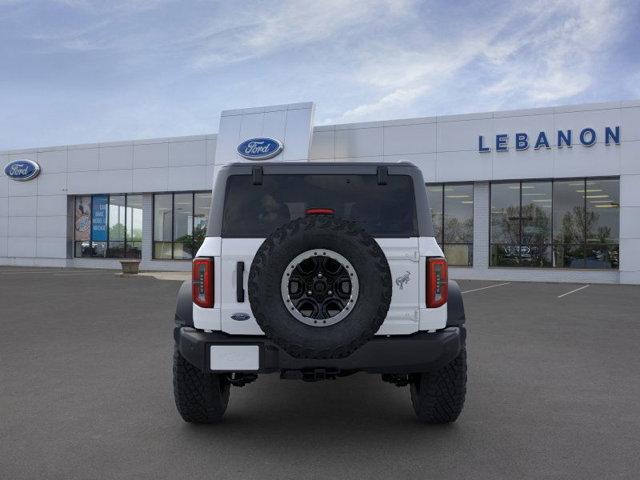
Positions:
{"x": 564, "y": 223}
{"x": 162, "y": 225}
{"x": 108, "y": 226}
{"x": 603, "y": 223}
{"x": 201, "y": 206}
{"x": 536, "y": 200}
{"x": 505, "y": 224}
{"x": 134, "y": 226}
{"x": 569, "y": 223}
{"x": 117, "y": 219}
{"x": 182, "y": 225}
{"x": 436, "y": 205}
{"x": 82, "y": 226}
{"x": 180, "y": 221}
{"x": 451, "y": 208}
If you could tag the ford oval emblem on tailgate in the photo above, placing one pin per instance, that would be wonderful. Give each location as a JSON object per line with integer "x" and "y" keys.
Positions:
{"x": 240, "y": 317}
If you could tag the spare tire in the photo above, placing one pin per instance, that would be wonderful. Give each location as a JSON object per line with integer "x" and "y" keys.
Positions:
{"x": 320, "y": 287}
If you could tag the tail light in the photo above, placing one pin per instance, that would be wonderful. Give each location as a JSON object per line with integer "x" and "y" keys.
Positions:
{"x": 320, "y": 211}
{"x": 202, "y": 282}
{"x": 437, "y": 282}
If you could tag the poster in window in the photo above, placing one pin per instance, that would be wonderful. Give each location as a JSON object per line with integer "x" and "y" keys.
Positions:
{"x": 99, "y": 218}
{"x": 83, "y": 219}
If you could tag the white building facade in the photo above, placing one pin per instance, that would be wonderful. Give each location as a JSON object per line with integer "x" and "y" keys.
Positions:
{"x": 549, "y": 194}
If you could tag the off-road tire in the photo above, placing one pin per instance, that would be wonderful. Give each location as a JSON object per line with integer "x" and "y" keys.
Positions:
{"x": 438, "y": 397}
{"x": 320, "y": 232}
{"x": 200, "y": 397}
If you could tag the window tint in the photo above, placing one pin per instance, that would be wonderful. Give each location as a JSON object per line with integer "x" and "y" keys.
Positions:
{"x": 257, "y": 210}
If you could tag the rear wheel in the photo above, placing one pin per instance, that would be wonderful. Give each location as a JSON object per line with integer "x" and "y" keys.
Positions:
{"x": 200, "y": 397}
{"x": 438, "y": 397}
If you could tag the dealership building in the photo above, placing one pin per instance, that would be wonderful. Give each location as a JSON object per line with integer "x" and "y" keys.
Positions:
{"x": 548, "y": 194}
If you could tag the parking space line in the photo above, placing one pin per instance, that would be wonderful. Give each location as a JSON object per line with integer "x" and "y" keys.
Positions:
{"x": 485, "y": 288}
{"x": 573, "y": 291}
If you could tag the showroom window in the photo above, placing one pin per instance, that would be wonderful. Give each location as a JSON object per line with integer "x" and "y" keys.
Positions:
{"x": 564, "y": 224}
{"x": 451, "y": 206}
{"x": 179, "y": 224}
{"x": 108, "y": 226}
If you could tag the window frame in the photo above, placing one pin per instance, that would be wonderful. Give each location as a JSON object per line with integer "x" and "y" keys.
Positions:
{"x": 125, "y": 241}
{"x": 173, "y": 194}
{"x": 553, "y": 243}
{"x": 442, "y": 214}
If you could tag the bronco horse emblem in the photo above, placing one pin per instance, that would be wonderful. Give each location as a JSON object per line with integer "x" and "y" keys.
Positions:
{"x": 403, "y": 279}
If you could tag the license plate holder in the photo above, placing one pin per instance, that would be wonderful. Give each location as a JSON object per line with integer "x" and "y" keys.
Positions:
{"x": 234, "y": 358}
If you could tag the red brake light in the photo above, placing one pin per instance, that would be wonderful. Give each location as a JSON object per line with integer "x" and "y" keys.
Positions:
{"x": 202, "y": 282}
{"x": 437, "y": 282}
{"x": 320, "y": 211}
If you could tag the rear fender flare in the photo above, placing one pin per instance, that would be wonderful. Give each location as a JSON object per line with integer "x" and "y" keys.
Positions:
{"x": 455, "y": 306}
{"x": 184, "y": 306}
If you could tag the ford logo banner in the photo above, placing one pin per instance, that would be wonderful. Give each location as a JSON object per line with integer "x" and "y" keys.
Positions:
{"x": 260, "y": 148}
{"x": 22, "y": 170}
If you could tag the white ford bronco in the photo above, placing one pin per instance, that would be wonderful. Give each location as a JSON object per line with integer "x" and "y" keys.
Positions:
{"x": 317, "y": 271}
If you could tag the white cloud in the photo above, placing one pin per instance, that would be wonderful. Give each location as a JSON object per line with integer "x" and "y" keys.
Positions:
{"x": 555, "y": 63}
{"x": 543, "y": 52}
{"x": 405, "y": 76}
{"x": 259, "y": 32}
{"x": 397, "y": 98}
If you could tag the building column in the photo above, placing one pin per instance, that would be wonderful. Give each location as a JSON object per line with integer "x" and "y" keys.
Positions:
{"x": 629, "y": 229}
{"x": 481, "y": 213}
{"x": 147, "y": 227}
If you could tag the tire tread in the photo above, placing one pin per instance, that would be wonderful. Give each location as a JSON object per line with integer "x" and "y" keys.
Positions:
{"x": 200, "y": 397}
{"x": 438, "y": 397}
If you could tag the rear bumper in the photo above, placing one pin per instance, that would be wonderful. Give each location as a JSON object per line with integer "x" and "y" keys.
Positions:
{"x": 420, "y": 352}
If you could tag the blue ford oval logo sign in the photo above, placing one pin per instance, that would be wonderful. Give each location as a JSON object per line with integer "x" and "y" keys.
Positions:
{"x": 22, "y": 170}
{"x": 260, "y": 148}
{"x": 241, "y": 317}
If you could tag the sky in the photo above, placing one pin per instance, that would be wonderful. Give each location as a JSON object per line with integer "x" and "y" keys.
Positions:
{"x": 78, "y": 71}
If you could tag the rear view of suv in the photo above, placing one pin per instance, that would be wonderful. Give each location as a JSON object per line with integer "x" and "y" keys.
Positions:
{"x": 316, "y": 271}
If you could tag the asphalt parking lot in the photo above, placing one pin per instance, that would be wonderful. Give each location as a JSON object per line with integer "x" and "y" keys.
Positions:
{"x": 85, "y": 392}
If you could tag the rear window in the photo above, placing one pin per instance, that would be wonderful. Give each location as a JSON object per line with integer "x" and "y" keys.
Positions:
{"x": 257, "y": 210}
